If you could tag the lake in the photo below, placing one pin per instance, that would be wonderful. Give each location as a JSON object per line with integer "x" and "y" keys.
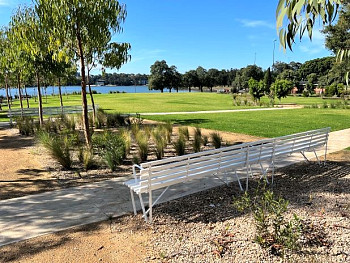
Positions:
{"x": 100, "y": 89}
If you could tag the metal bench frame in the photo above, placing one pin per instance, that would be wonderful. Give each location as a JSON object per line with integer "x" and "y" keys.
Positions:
{"x": 171, "y": 171}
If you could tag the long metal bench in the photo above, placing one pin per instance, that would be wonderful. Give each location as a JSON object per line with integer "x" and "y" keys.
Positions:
{"x": 219, "y": 162}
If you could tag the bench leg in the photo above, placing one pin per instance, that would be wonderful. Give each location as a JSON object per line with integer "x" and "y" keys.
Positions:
{"x": 325, "y": 153}
{"x": 150, "y": 206}
{"x": 318, "y": 160}
{"x": 143, "y": 207}
{"x": 247, "y": 180}
{"x": 239, "y": 181}
{"x": 133, "y": 201}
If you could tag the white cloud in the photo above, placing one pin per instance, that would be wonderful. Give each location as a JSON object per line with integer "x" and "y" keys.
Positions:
{"x": 4, "y": 2}
{"x": 255, "y": 23}
{"x": 316, "y": 45}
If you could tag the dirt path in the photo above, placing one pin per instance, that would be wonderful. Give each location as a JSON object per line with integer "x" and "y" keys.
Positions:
{"x": 21, "y": 171}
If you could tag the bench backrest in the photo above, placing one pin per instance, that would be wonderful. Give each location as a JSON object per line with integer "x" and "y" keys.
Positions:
{"x": 161, "y": 173}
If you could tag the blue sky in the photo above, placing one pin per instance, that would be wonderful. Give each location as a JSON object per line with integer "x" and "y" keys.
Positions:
{"x": 220, "y": 34}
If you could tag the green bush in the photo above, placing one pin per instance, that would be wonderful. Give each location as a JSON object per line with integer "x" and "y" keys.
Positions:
{"x": 205, "y": 140}
{"x": 273, "y": 230}
{"x": 197, "y": 141}
{"x": 216, "y": 139}
{"x": 25, "y": 125}
{"x": 101, "y": 118}
{"x": 169, "y": 130}
{"x": 116, "y": 120}
{"x": 142, "y": 141}
{"x": 58, "y": 146}
{"x": 111, "y": 147}
{"x": 159, "y": 139}
{"x": 125, "y": 134}
{"x": 180, "y": 146}
{"x": 86, "y": 157}
{"x": 184, "y": 132}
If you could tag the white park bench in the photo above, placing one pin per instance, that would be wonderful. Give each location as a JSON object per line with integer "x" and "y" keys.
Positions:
{"x": 220, "y": 162}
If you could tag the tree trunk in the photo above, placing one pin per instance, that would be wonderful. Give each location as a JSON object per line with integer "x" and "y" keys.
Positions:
{"x": 161, "y": 90}
{"x": 83, "y": 90}
{"x": 7, "y": 93}
{"x": 211, "y": 89}
{"x": 91, "y": 96}
{"x": 201, "y": 88}
{"x": 60, "y": 94}
{"x": 177, "y": 90}
{"x": 25, "y": 91}
{"x": 189, "y": 89}
{"x": 169, "y": 90}
{"x": 41, "y": 118}
{"x": 20, "y": 93}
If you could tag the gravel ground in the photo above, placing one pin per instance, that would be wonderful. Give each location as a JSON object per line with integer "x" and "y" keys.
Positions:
{"x": 205, "y": 227}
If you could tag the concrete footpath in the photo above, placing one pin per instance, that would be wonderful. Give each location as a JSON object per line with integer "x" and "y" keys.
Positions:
{"x": 34, "y": 215}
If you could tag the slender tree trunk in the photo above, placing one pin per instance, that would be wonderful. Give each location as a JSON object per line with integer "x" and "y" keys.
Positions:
{"x": 41, "y": 118}
{"x": 169, "y": 90}
{"x": 25, "y": 91}
{"x": 7, "y": 93}
{"x": 91, "y": 96}
{"x": 177, "y": 90}
{"x": 83, "y": 90}
{"x": 161, "y": 90}
{"x": 20, "y": 93}
{"x": 211, "y": 89}
{"x": 60, "y": 94}
{"x": 189, "y": 89}
{"x": 201, "y": 88}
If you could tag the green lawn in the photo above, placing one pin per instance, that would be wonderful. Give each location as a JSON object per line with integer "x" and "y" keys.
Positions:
{"x": 265, "y": 123}
{"x": 157, "y": 102}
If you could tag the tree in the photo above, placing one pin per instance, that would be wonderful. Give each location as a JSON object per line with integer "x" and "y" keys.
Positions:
{"x": 256, "y": 88}
{"x": 158, "y": 77}
{"x": 190, "y": 79}
{"x": 281, "y": 88}
{"x": 4, "y": 62}
{"x": 174, "y": 79}
{"x": 301, "y": 15}
{"x": 77, "y": 26}
{"x": 213, "y": 78}
{"x": 267, "y": 80}
{"x": 34, "y": 42}
{"x": 202, "y": 77}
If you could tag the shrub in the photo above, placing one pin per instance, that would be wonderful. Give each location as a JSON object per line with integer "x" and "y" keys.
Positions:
{"x": 58, "y": 147}
{"x": 101, "y": 118}
{"x": 169, "y": 130}
{"x": 205, "y": 140}
{"x": 197, "y": 141}
{"x": 125, "y": 134}
{"x": 184, "y": 132}
{"x": 180, "y": 145}
{"x": 86, "y": 158}
{"x": 197, "y": 132}
{"x": 216, "y": 139}
{"x": 160, "y": 142}
{"x": 325, "y": 105}
{"x": 115, "y": 120}
{"x": 142, "y": 143}
{"x": 111, "y": 147}
{"x": 273, "y": 230}
{"x": 25, "y": 125}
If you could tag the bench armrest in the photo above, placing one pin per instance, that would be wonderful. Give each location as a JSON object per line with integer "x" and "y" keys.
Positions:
{"x": 134, "y": 170}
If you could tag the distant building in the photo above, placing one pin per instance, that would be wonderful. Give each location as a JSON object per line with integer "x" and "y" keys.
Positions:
{"x": 100, "y": 82}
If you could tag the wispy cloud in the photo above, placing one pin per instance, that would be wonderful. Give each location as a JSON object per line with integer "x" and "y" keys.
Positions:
{"x": 5, "y": 3}
{"x": 315, "y": 46}
{"x": 255, "y": 23}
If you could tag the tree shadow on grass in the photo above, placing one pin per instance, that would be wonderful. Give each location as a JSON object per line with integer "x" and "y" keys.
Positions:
{"x": 188, "y": 122}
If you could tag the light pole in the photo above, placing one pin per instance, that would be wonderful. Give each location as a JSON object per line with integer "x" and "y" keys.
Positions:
{"x": 273, "y": 52}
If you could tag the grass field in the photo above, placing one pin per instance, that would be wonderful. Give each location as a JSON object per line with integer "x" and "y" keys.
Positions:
{"x": 265, "y": 123}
